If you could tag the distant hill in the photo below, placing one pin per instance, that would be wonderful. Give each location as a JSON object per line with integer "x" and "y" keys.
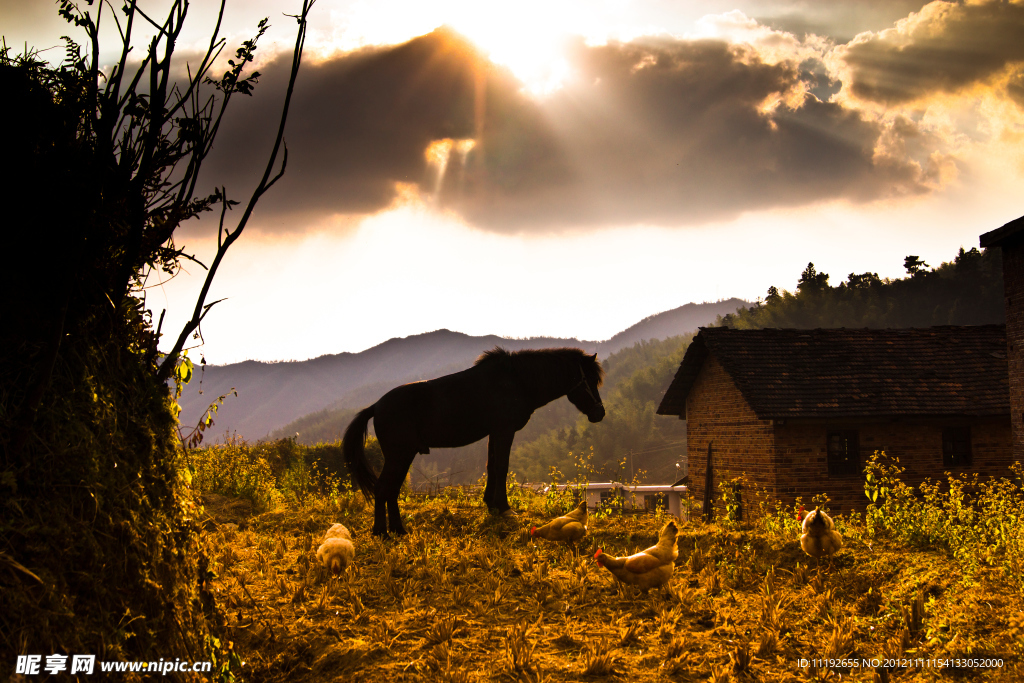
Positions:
{"x": 273, "y": 395}
{"x": 671, "y": 323}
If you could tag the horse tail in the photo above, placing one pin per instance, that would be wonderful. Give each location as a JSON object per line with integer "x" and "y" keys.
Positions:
{"x": 352, "y": 446}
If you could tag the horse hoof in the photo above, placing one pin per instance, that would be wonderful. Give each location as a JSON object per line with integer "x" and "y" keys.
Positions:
{"x": 509, "y": 514}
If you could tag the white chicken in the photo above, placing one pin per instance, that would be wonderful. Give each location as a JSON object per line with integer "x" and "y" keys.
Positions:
{"x": 820, "y": 539}
{"x": 336, "y": 552}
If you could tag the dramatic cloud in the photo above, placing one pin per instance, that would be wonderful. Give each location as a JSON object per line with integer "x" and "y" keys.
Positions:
{"x": 676, "y": 132}
{"x": 945, "y": 48}
{"x": 660, "y": 131}
{"x": 359, "y": 124}
{"x": 840, "y": 20}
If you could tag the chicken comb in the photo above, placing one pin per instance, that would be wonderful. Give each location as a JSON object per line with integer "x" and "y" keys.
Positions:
{"x": 533, "y": 530}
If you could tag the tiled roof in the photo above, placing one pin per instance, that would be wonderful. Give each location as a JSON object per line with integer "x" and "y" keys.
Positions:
{"x": 855, "y": 373}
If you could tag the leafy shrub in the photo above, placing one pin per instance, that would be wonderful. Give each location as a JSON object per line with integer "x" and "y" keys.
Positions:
{"x": 731, "y": 496}
{"x": 266, "y": 470}
{"x": 775, "y": 519}
{"x": 297, "y": 483}
{"x": 234, "y": 469}
{"x": 560, "y": 501}
{"x": 332, "y": 461}
{"x": 977, "y": 522}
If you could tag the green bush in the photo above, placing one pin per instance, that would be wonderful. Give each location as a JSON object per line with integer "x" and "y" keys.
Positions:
{"x": 234, "y": 469}
{"x": 266, "y": 471}
{"x": 296, "y": 483}
{"x": 560, "y": 501}
{"x": 977, "y": 522}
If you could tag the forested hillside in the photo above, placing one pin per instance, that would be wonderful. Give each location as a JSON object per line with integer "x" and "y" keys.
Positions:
{"x": 323, "y": 426}
{"x": 965, "y": 291}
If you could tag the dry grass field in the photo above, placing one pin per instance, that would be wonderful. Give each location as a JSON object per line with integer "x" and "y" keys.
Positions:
{"x": 468, "y": 597}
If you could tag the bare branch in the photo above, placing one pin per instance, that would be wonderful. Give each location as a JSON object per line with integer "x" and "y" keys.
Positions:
{"x": 94, "y": 69}
{"x": 158, "y": 27}
{"x": 117, "y": 22}
{"x": 284, "y": 165}
{"x": 207, "y": 307}
{"x": 113, "y": 88}
{"x": 225, "y": 205}
{"x": 296, "y": 61}
{"x": 229, "y": 238}
{"x": 212, "y": 52}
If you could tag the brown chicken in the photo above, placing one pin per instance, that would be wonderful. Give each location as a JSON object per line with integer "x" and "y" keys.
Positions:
{"x": 337, "y": 551}
{"x": 567, "y": 528}
{"x": 820, "y": 539}
{"x": 650, "y": 569}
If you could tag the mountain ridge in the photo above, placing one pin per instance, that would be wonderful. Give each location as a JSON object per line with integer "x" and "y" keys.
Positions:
{"x": 272, "y": 394}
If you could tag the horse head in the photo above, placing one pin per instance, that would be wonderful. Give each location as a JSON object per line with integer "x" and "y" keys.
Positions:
{"x": 584, "y": 395}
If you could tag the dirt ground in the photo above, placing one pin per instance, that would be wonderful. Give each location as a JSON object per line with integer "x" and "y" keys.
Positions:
{"x": 467, "y": 597}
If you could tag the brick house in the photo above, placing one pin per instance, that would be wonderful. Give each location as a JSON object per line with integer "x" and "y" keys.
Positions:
{"x": 1010, "y": 238}
{"x": 800, "y": 411}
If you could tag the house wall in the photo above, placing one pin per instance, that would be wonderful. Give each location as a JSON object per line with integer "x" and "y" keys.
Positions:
{"x": 789, "y": 459}
{"x": 1013, "y": 285}
{"x": 717, "y": 412}
{"x": 802, "y": 448}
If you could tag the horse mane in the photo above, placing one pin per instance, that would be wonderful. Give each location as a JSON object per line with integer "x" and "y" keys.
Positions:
{"x": 589, "y": 363}
{"x": 495, "y": 355}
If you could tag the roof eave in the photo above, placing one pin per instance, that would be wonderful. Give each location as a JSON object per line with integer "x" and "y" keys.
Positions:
{"x": 1008, "y": 235}
{"x": 674, "y": 400}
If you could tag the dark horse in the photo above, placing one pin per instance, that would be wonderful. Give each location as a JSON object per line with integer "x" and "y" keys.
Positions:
{"x": 494, "y": 398}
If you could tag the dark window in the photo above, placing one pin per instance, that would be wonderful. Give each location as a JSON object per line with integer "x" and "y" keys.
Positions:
{"x": 956, "y": 446}
{"x": 610, "y": 498}
{"x": 655, "y": 501}
{"x": 842, "y": 454}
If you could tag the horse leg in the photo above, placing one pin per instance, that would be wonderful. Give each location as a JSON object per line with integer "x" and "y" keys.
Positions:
{"x": 396, "y": 466}
{"x": 380, "y": 497}
{"x": 489, "y": 488}
{"x": 380, "y": 510}
{"x": 499, "y": 446}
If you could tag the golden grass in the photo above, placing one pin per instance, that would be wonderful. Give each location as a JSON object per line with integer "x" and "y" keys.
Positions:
{"x": 467, "y": 597}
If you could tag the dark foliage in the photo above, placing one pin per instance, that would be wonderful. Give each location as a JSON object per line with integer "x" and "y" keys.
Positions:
{"x": 99, "y": 550}
{"x": 94, "y": 513}
{"x": 965, "y": 291}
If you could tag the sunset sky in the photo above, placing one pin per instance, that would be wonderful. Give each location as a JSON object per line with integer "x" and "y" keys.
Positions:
{"x": 569, "y": 168}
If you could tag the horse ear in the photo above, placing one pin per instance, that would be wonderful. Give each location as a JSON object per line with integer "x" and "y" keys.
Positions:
{"x": 594, "y": 357}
